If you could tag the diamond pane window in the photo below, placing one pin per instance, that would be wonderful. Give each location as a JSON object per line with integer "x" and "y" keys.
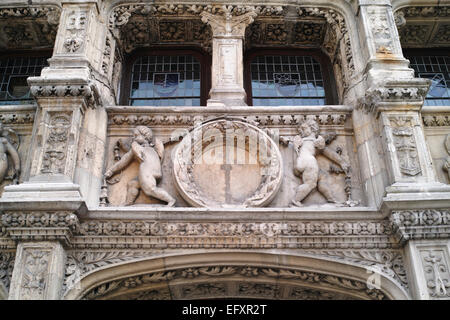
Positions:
{"x": 437, "y": 69}
{"x": 165, "y": 81}
{"x": 14, "y": 72}
{"x": 287, "y": 81}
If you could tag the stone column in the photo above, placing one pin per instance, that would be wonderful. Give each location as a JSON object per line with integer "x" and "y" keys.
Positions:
{"x": 69, "y": 133}
{"x": 227, "y": 63}
{"x": 408, "y": 191}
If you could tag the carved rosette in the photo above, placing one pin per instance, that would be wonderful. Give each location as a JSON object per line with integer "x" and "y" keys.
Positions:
{"x": 204, "y": 163}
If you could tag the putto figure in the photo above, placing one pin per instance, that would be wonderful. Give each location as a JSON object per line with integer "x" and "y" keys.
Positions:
{"x": 307, "y": 145}
{"x": 149, "y": 152}
{"x": 7, "y": 148}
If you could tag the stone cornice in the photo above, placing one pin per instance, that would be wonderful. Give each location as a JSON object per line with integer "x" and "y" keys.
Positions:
{"x": 38, "y": 225}
{"x": 421, "y": 224}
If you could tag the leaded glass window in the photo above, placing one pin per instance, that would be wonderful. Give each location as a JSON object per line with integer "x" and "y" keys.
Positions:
{"x": 286, "y": 81}
{"x": 437, "y": 69}
{"x": 14, "y": 72}
{"x": 165, "y": 81}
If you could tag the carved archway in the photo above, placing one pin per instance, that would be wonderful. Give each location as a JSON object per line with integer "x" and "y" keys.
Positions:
{"x": 233, "y": 275}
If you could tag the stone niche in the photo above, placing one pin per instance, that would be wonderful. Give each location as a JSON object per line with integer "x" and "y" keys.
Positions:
{"x": 213, "y": 183}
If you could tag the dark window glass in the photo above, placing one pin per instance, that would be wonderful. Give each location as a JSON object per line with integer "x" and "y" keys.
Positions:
{"x": 287, "y": 81}
{"x": 165, "y": 81}
{"x": 14, "y": 72}
{"x": 437, "y": 69}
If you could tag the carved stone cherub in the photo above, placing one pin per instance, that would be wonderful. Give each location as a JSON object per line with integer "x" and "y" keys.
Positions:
{"x": 149, "y": 152}
{"x": 7, "y": 148}
{"x": 307, "y": 145}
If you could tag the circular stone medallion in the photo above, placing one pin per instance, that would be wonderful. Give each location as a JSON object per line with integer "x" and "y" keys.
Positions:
{"x": 227, "y": 163}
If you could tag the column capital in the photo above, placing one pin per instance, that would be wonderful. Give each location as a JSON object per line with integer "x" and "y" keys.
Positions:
{"x": 227, "y": 25}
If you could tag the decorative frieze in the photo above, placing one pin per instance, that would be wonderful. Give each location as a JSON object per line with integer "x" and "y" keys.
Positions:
{"x": 249, "y": 288}
{"x": 421, "y": 224}
{"x": 6, "y": 267}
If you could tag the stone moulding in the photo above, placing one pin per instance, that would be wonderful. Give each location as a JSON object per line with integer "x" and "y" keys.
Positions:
{"x": 421, "y": 224}
{"x": 38, "y": 225}
{"x": 356, "y": 287}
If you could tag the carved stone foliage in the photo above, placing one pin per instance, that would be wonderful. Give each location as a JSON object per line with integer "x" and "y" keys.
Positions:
{"x": 405, "y": 144}
{"x": 194, "y": 164}
{"x": 437, "y": 273}
{"x": 27, "y": 27}
{"x": 6, "y": 267}
{"x": 421, "y": 224}
{"x": 54, "y": 158}
{"x": 438, "y": 120}
{"x": 446, "y": 166}
{"x": 424, "y": 26}
{"x": 17, "y": 118}
{"x": 248, "y": 288}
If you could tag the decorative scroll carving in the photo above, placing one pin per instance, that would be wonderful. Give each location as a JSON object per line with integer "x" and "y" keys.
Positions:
{"x": 9, "y": 143}
{"x": 76, "y": 27}
{"x": 149, "y": 152}
{"x": 253, "y": 289}
{"x": 56, "y": 144}
{"x": 437, "y": 273}
{"x": 226, "y": 24}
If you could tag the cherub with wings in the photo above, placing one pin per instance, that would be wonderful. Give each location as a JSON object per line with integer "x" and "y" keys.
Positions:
{"x": 7, "y": 148}
{"x": 149, "y": 152}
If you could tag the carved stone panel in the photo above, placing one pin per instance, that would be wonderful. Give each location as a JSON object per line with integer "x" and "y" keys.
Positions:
{"x": 227, "y": 163}
{"x": 437, "y": 273}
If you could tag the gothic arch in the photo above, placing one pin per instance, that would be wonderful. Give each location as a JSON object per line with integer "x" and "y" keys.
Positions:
{"x": 204, "y": 275}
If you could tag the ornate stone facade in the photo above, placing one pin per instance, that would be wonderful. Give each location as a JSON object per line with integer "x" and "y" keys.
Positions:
{"x": 107, "y": 201}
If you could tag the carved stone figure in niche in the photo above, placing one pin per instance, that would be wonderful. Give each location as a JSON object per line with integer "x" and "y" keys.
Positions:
{"x": 149, "y": 152}
{"x": 7, "y": 148}
{"x": 307, "y": 145}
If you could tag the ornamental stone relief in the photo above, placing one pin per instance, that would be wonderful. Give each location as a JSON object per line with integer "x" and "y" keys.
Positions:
{"x": 9, "y": 156}
{"x": 405, "y": 144}
{"x": 228, "y": 288}
{"x": 28, "y": 27}
{"x": 437, "y": 274}
{"x": 214, "y": 171}
{"x": 148, "y": 151}
{"x": 35, "y": 273}
{"x": 424, "y": 26}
